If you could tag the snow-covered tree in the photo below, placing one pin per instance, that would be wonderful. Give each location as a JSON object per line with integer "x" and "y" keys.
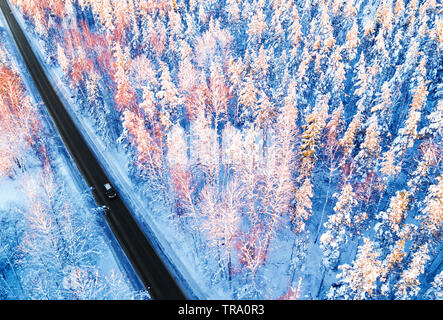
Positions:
{"x": 359, "y": 280}
{"x": 409, "y": 284}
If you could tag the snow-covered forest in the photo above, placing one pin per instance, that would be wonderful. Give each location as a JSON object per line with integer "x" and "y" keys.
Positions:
{"x": 52, "y": 244}
{"x": 291, "y": 148}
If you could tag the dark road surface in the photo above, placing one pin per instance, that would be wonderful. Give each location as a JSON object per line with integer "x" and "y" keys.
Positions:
{"x": 148, "y": 265}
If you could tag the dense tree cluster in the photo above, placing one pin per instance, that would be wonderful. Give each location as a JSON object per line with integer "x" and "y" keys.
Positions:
{"x": 49, "y": 246}
{"x": 267, "y": 128}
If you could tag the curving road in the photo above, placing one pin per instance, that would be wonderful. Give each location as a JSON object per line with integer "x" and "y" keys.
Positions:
{"x": 148, "y": 265}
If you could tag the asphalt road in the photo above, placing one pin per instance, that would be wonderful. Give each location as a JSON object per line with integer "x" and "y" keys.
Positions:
{"x": 150, "y": 268}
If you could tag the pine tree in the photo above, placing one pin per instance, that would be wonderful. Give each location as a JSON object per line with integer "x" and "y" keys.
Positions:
{"x": 63, "y": 60}
{"x": 338, "y": 225}
{"x": 168, "y": 94}
{"x": 248, "y": 95}
{"x": 295, "y": 30}
{"x": 257, "y": 24}
{"x": 219, "y": 91}
{"x": 352, "y": 41}
{"x": 359, "y": 281}
{"x": 409, "y": 284}
{"x": 432, "y": 216}
{"x": 392, "y": 219}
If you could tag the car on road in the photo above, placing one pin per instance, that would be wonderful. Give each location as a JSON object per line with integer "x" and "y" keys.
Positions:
{"x": 109, "y": 191}
{"x": 105, "y": 209}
